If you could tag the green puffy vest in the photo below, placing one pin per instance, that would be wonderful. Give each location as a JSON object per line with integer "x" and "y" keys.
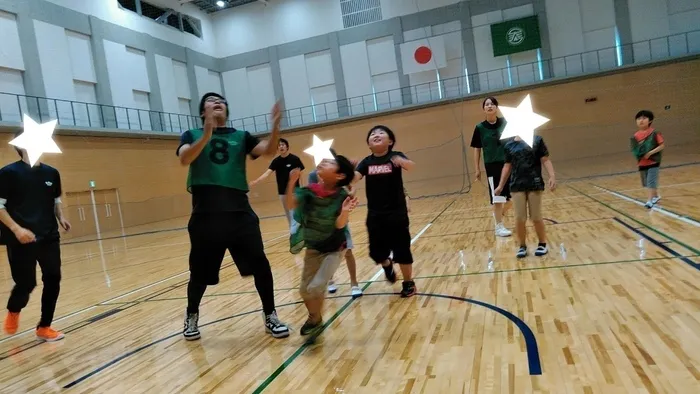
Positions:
{"x": 317, "y": 216}
{"x": 221, "y": 163}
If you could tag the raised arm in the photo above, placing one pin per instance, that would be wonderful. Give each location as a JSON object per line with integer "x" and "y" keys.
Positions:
{"x": 291, "y": 184}
{"x": 268, "y": 147}
{"x": 400, "y": 160}
{"x": 189, "y": 149}
{"x": 348, "y": 205}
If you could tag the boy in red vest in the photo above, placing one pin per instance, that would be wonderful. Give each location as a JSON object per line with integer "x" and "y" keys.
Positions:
{"x": 646, "y": 145}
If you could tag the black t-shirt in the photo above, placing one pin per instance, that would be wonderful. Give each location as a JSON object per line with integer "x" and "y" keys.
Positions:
{"x": 213, "y": 198}
{"x": 384, "y": 184}
{"x": 30, "y": 195}
{"x": 282, "y": 166}
{"x": 526, "y": 171}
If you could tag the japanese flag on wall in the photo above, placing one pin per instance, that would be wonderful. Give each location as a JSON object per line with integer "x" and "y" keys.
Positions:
{"x": 423, "y": 55}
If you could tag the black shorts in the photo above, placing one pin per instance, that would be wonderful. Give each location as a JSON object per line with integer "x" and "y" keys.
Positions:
{"x": 211, "y": 234}
{"x": 389, "y": 233}
{"x": 493, "y": 170}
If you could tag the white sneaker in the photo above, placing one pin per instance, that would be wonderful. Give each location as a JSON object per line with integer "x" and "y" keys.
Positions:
{"x": 655, "y": 200}
{"x": 356, "y": 292}
{"x": 502, "y": 231}
{"x": 332, "y": 288}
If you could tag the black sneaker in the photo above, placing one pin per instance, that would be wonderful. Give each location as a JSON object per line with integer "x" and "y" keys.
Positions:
{"x": 522, "y": 252}
{"x": 274, "y": 326}
{"x": 409, "y": 289}
{"x": 191, "y": 329}
{"x": 541, "y": 250}
{"x": 389, "y": 272}
{"x": 311, "y": 328}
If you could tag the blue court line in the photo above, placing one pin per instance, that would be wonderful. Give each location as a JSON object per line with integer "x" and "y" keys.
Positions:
{"x": 661, "y": 245}
{"x": 533, "y": 355}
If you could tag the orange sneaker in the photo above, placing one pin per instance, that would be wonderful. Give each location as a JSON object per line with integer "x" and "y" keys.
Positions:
{"x": 11, "y": 323}
{"x": 48, "y": 334}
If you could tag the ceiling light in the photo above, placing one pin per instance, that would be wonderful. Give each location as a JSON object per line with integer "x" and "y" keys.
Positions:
{"x": 220, "y": 3}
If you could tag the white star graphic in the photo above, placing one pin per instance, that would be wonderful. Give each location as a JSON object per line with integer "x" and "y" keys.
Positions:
{"x": 522, "y": 122}
{"x": 320, "y": 150}
{"x": 36, "y": 139}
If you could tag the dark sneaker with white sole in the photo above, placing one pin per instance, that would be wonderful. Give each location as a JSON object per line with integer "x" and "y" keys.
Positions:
{"x": 274, "y": 326}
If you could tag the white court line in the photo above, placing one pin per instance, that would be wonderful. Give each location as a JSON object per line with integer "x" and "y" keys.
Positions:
{"x": 381, "y": 270}
{"x": 655, "y": 208}
{"x": 112, "y": 299}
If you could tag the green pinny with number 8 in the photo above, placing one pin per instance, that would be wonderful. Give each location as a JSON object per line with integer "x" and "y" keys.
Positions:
{"x": 222, "y": 161}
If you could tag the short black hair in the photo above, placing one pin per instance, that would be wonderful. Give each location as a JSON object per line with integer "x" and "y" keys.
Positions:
{"x": 282, "y": 140}
{"x": 19, "y": 151}
{"x": 205, "y": 97}
{"x": 494, "y": 101}
{"x": 387, "y": 130}
{"x": 645, "y": 113}
{"x": 345, "y": 167}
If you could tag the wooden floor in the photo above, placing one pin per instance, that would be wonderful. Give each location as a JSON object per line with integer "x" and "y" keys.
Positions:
{"x": 614, "y": 308}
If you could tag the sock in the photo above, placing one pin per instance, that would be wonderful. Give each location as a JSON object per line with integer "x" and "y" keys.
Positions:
{"x": 542, "y": 244}
{"x": 195, "y": 292}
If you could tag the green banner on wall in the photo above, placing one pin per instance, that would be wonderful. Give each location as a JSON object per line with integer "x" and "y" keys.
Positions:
{"x": 515, "y": 36}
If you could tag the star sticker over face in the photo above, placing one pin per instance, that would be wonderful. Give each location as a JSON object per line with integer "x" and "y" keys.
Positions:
{"x": 522, "y": 122}
{"x": 36, "y": 139}
{"x": 320, "y": 150}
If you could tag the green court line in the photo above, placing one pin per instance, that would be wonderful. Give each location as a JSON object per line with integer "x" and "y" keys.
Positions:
{"x": 330, "y": 321}
{"x": 476, "y": 273}
{"x": 648, "y": 227}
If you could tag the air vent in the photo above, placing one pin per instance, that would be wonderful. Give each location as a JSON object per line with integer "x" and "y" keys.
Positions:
{"x": 360, "y": 12}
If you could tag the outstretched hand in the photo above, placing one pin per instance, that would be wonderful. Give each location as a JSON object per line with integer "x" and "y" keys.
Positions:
{"x": 276, "y": 113}
{"x": 350, "y": 203}
{"x": 398, "y": 161}
{"x": 294, "y": 175}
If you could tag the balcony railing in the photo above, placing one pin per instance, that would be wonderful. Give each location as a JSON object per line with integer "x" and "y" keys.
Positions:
{"x": 74, "y": 113}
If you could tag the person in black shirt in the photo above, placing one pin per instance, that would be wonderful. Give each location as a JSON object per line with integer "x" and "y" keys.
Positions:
{"x": 387, "y": 215}
{"x": 222, "y": 218}
{"x": 487, "y": 140}
{"x": 523, "y": 165}
{"x": 30, "y": 211}
{"x": 282, "y": 165}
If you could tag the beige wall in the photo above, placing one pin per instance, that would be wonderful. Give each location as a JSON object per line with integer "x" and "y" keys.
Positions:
{"x": 584, "y": 139}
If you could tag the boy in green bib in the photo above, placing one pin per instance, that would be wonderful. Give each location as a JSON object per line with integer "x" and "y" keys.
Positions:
{"x": 222, "y": 218}
{"x": 646, "y": 145}
{"x": 322, "y": 210}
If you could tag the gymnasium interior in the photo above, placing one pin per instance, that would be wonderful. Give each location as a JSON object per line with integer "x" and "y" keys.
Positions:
{"x": 613, "y": 308}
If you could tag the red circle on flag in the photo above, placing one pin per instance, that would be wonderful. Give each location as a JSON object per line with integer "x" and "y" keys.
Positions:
{"x": 423, "y": 55}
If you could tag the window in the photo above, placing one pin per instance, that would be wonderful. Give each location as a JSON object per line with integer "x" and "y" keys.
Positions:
{"x": 618, "y": 47}
{"x": 164, "y": 16}
{"x": 128, "y": 5}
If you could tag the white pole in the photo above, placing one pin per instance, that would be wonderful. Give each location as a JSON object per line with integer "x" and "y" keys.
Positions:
{"x": 94, "y": 211}
{"x": 119, "y": 207}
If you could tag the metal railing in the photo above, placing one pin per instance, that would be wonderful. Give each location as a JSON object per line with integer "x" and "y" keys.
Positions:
{"x": 74, "y": 113}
